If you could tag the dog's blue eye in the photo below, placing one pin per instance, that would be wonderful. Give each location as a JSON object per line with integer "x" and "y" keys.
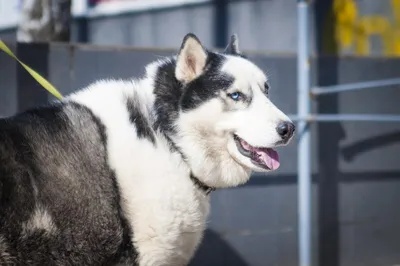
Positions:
{"x": 266, "y": 87}
{"x": 235, "y": 96}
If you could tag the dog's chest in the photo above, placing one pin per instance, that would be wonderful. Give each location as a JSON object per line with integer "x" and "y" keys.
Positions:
{"x": 166, "y": 211}
{"x": 167, "y": 228}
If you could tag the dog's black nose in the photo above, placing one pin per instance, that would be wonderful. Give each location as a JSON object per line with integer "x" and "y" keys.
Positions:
{"x": 285, "y": 130}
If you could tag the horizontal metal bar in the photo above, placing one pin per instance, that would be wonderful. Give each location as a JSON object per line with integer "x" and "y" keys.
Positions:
{"x": 347, "y": 117}
{"x": 354, "y": 86}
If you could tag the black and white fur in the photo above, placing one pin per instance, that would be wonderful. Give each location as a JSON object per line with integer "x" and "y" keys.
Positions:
{"x": 118, "y": 173}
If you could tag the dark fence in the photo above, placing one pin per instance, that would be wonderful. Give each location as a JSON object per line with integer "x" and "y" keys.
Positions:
{"x": 356, "y": 165}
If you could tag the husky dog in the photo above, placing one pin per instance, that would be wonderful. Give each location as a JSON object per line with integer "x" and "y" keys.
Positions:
{"x": 119, "y": 173}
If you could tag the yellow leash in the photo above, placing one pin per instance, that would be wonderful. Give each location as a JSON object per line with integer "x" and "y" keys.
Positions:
{"x": 42, "y": 81}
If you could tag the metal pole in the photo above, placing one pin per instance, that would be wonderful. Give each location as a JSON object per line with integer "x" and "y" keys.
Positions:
{"x": 346, "y": 118}
{"x": 355, "y": 86}
{"x": 304, "y": 156}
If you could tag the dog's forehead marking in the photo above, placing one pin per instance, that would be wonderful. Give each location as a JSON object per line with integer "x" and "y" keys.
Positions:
{"x": 245, "y": 72}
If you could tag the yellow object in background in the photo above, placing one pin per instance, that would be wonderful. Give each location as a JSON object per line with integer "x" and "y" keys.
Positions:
{"x": 353, "y": 31}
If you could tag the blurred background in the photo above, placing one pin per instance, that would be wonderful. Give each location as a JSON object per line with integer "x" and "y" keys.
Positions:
{"x": 364, "y": 27}
{"x": 355, "y": 165}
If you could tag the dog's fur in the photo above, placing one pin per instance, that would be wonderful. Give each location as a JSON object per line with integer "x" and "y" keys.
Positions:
{"x": 118, "y": 173}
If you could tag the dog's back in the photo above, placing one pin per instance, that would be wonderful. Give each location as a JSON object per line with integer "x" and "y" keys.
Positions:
{"x": 59, "y": 201}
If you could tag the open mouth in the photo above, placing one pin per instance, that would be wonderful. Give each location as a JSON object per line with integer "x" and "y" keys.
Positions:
{"x": 266, "y": 158}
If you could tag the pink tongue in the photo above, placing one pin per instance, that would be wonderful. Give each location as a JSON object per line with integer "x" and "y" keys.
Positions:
{"x": 269, "y": 156}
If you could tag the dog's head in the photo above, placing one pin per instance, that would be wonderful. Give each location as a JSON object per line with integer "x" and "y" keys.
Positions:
{"x": 225, "y": 124}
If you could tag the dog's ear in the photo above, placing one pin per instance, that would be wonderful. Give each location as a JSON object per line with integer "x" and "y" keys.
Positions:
{"x": 191, "y": 59}
{"x": 233, "y": 46}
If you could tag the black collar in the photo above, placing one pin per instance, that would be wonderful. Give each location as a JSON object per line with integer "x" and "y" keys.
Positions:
{"x": 201, "y": 185}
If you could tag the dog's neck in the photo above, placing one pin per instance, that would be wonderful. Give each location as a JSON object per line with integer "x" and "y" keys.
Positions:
{"x": 165, "y": 118}
{"x": 206, "y": 189}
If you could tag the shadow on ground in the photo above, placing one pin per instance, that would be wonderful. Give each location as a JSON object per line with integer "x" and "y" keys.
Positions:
{"x": 215, "y": 251}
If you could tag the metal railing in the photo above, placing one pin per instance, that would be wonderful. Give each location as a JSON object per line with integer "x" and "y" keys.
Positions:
{"x": 304, "y": 117}
{"x": 347, "y": 117}
{"x": 354, "y": 86}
